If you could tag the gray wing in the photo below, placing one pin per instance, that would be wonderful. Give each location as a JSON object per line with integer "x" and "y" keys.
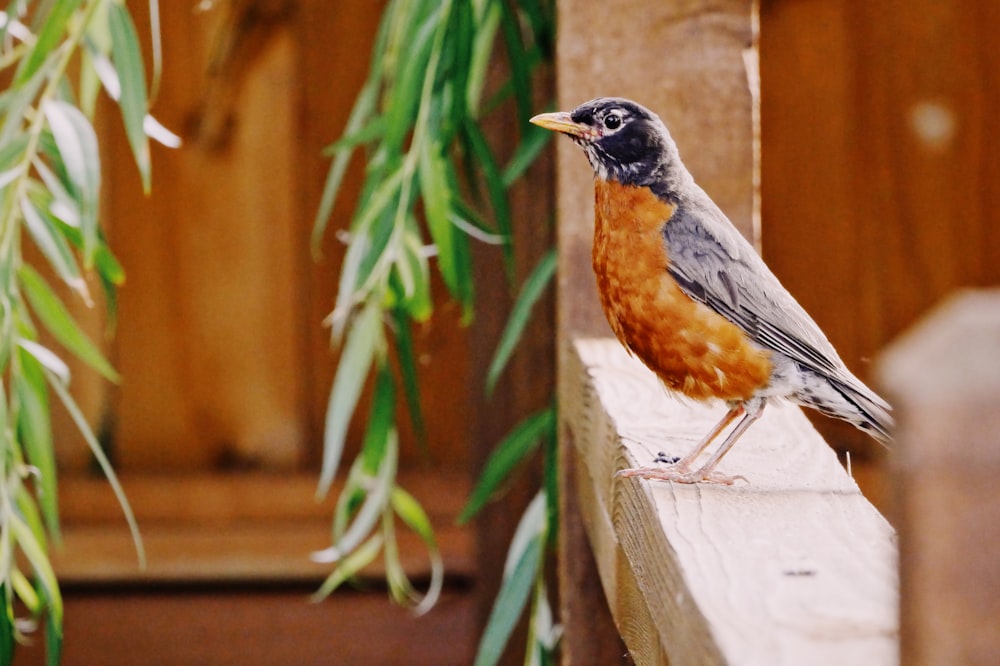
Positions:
{"x": 713, "y": 264}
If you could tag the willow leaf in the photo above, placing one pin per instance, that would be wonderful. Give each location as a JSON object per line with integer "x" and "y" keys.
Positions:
{"x": 533, "y": 288}
{"x": 53, "y": 246}
{"x": 413, "y": 516}
{"x": 363, "y": 108}
{"x": 520, "y": 67}
{"x": 60, "y": 323}
{"x": 35, "y": 433}
{"x": 34, "y": 553}
{"x": 380, "y": 420}
{"x": 352, "y": 371}
{"x": 494, "y": 187}
{"x": 8, "y": 632}
{"x": 349, "y": 567}
{"x": 128, "y": 63}
{"x": 377, "y": 498}
{"x": 77, "y": 144}
{"x": 524, "y": 560}
{"x": 52, "y": 29}
{"x": 521, "y": 442}
{"x": 534, "y": 139}
{"x": 62, "y": 392}
{"x": 406, "y": 358}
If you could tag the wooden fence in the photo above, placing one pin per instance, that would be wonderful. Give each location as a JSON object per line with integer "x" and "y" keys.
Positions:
{"x": 797, "y": 566}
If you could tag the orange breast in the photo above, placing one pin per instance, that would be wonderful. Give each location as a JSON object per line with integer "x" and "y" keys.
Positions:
{"x": 692, "y": 349}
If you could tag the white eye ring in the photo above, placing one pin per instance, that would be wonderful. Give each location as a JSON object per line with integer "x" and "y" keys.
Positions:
{"x": 613, "y": 120}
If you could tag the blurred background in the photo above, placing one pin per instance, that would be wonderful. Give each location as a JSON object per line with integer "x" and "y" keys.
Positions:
{"x": 879, "y": 182}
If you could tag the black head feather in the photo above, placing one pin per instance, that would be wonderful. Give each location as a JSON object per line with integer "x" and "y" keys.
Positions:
{"x": 625, "y": 142}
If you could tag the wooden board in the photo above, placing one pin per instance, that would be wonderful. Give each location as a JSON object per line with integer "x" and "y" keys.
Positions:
{"x": 241, "y": 627}
{"x": 236, "y": 529}
{"x": 794, "y": 567}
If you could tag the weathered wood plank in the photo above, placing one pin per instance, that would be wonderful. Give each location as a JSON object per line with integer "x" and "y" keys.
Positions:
{"x": 942, "y": 377}
{"x": 794, "y": 567}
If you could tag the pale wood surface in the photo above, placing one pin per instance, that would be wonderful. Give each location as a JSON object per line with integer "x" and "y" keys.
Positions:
{"x": 794, "y": 567}
{"x": 943, "y": 379}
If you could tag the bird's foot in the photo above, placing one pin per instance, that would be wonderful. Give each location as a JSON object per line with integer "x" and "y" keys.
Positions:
{"x": 681, "y": 474}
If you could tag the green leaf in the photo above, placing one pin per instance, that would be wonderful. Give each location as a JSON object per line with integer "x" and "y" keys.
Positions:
{"x": 532, "y": 289}
{"x": 127, "y": 57}
{"x": 62, "y": 392}
{"x": 520, "y": 67}
{"x": 406, "y": 358}
{"x": 381, "y": 419}
{"x": 364, "y": 106}
{"x": 494, "y": 188}
{"x": 11, "y": 155}
{"x": 352, "y": 371}
{"x": 53, "y": 639}
{"x": 482, "y": 50}
{"x": 378, "y": 490}
{"x": 454, "y": 261}
{"x": 53, "y": 246}
{"x": 77, "y": 144}
{"x": 515, "y": 447}
{"x": 48, "y": 36}
{"x": 36, "y": 556}
{"x": 523, "y": 562}
{"x": 413, "y": 516}
{"x": 412, "y": 513}
{"x": 411, "y": 273}
{"x": 8, "y": 632}
{"x": 436, "y": 193}
{"x": 533, "y": 141}
{"x": 349, "y": 566}
{"x": 16, "y": 102}
{"x": 34, "y": 431}
{"x": 58, "y": 321}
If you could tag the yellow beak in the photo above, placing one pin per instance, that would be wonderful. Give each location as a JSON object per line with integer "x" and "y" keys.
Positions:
{"x": 562, "y": 122}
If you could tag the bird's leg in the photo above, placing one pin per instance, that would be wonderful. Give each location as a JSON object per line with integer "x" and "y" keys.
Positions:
{"x": 683, "y": 466}
{"x": 707, "y": 471}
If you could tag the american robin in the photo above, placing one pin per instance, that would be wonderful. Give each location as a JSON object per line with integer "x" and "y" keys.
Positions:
{"x": 691, "y": 298}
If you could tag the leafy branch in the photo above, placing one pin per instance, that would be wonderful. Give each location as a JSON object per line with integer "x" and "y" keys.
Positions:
{"x": 433, "y": 186}
{"x": 57, "y": 56}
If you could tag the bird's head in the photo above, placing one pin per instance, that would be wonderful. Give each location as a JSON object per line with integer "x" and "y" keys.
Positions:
{"x": 623, "y": 140}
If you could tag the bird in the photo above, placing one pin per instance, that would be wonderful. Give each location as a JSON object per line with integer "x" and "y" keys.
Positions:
{"x": 691, "y": 298}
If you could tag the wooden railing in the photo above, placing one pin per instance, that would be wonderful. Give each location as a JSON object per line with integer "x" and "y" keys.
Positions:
{"x": 793, "y": 567}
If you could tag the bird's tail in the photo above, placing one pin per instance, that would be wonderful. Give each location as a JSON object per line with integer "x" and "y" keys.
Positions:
{"x": 871, "y": 413}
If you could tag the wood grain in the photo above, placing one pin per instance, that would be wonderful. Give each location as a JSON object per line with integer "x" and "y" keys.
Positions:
{"x": 794, "y": 567}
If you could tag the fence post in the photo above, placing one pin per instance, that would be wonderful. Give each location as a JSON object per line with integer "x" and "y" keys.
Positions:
{"x": 943, "y": 378}
{"x": 685, "y": 60}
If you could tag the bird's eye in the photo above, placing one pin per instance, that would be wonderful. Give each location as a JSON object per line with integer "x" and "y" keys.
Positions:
{"x": 612, "y": 121}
